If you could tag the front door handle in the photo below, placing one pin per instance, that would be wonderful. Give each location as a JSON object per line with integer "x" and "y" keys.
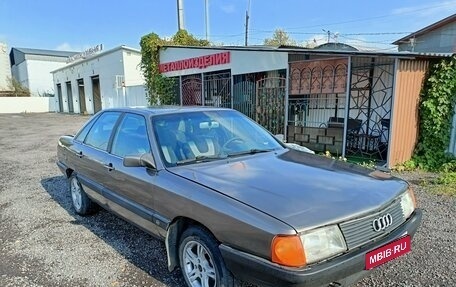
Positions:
{"x": 109, "y": 166}
{"x": 80, "y": 154}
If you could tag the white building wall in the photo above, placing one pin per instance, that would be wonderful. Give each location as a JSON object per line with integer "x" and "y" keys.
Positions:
{"x": 241, "y": 62}
{"x": 136, "y": 96}
{"x": 5, "y": 70}
{"x": 132, "y": 69}
{"x": 13, "y": 105}
{"x": 39, "y": 80}
{"x": 110, "y": 66}
{"x": 107, "y": 66}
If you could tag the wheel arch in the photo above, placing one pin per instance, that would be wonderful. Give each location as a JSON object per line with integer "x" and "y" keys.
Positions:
{"x": 173, "y": 236}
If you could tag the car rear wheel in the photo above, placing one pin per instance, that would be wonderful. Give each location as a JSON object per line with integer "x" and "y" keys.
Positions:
{"x": 82, "y": 204}
{"x": 201, "y": 262}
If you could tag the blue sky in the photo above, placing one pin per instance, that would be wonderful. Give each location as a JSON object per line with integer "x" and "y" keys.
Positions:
{"x": 77, "y": 25}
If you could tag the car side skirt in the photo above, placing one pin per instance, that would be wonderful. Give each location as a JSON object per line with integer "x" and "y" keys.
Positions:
{"x": 147, "y": 219}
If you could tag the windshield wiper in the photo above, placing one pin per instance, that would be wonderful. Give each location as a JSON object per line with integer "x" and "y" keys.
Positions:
{"x": 251, "y": 151}
{"x": 200, "y": 158}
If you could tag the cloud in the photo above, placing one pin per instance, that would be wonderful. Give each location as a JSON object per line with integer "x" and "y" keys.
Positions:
{"x": 228, "y": 8}
{"x": 65, "y": 47}
{"x": 427, "y": 9}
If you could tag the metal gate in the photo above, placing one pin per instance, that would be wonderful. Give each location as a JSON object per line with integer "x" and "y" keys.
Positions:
{"x": 270, "y": 104}
{"x": 244, "y": 98}
{"x": 370, "y": 103}
{"x": 191, "y": 90}
{"x": 217, "y": 90}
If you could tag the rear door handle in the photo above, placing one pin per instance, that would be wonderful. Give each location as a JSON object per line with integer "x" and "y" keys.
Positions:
{"x": 80, "y": 154}
{"x": 109, "y": 166}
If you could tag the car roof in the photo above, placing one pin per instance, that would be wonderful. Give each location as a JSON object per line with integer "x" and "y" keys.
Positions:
{"x": 160, "y": 110}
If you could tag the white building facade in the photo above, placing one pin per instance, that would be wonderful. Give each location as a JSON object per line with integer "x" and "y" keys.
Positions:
{"x": 109, "y": 79}
{"x": 32, "y": 68}
{"x": 5, "y": 69}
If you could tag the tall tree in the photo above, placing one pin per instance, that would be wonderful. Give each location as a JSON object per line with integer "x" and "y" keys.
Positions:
{"x": 279, "y": 38}
{"x": 160, "y": 88}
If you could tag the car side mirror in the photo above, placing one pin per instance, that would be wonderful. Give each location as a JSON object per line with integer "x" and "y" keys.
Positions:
{"x": 145, "y": 160}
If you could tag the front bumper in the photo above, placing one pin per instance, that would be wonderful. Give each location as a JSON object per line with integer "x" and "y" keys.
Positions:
{"x": 342, "y": 269}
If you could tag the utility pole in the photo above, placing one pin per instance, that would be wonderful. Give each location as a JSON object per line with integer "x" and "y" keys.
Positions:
{"x": 180, "y": 15}
{"x": 329, "y": 34}
{"x": 247, "y": 24}
{"x": 206, "y": 6}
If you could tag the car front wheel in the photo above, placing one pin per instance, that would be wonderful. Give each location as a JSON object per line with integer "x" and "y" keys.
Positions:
{"x": 82, "y": 204}
{"x": 201, "y": 262}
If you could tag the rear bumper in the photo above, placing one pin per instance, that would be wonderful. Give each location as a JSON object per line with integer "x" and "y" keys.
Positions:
{"x": 344, "y": 269}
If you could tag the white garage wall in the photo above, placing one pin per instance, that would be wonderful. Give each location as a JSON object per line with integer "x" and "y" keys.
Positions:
{"x": 107, "y": 65}
{"x": 132, "y": 70}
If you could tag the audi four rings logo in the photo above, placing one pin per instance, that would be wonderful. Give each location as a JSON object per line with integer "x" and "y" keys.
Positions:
{"x": 382, "y": 222}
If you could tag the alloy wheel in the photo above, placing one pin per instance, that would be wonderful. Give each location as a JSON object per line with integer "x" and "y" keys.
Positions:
{"x": 199, "y": 266}
{"x": 76, "y": 193}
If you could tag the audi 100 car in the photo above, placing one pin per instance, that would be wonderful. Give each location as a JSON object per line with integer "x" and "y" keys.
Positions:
{"x": 233, "y": 202}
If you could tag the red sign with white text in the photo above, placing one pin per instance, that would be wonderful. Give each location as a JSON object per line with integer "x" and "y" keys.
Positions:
{"x": 388, "y": 252}
{"x": 197, "y": 62}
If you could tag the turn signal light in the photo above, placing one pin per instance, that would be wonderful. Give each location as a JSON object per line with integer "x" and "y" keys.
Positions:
{"x": 288, "y": 251}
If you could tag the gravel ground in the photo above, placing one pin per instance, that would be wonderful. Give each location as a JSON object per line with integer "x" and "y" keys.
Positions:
{"x": 44, "y": 243}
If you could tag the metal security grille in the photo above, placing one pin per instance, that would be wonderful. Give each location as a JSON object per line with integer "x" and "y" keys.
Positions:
{"x": 191, "y": 90}
{"x": 244, "y": 96}
{"x": 270, "y": 104}
{"x": 370, "y": 101}
{"x": 217, "y": 90}
{"x": 360, "y": 231}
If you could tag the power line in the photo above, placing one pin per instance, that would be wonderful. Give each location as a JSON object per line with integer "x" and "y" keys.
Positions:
{"x": 350, "y": 34}
{"x": 370, "y": 18}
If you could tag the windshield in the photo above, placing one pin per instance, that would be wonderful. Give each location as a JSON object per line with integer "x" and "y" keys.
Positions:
{"x": 186, "y": 138}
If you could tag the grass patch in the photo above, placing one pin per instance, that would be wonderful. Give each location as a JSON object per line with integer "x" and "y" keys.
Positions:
{"x": 443, "y": 189}
{"x": 444, "y": 184}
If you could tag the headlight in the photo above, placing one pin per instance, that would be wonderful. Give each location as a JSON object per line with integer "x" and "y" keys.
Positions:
{"x": 408, "y": 203}
{"x": 323, "y": 243}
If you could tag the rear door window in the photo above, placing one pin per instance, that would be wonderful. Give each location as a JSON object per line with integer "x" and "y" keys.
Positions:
{"x": 131, "y": 137}
{"x": 100, "y": 133}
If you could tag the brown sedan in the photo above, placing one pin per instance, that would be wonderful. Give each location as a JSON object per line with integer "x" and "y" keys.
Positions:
{"x": 231, "y": 201}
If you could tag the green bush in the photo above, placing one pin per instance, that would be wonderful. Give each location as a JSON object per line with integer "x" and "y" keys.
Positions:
{"x": 436, "y": 113}
{"x": 161, "y": 89}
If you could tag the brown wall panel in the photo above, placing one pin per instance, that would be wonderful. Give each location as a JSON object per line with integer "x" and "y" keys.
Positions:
{"x": 405, "y": 122}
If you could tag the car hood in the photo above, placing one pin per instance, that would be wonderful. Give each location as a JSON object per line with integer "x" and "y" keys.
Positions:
{"x": 300, "y": 189}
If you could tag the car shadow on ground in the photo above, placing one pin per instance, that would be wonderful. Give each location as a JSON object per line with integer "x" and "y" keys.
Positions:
{"x": 139, "y": 248}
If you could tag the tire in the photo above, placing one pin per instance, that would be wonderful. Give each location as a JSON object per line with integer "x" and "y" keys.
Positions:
{"x": 82, "y": 204}
{"x": 200, "y": 260}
